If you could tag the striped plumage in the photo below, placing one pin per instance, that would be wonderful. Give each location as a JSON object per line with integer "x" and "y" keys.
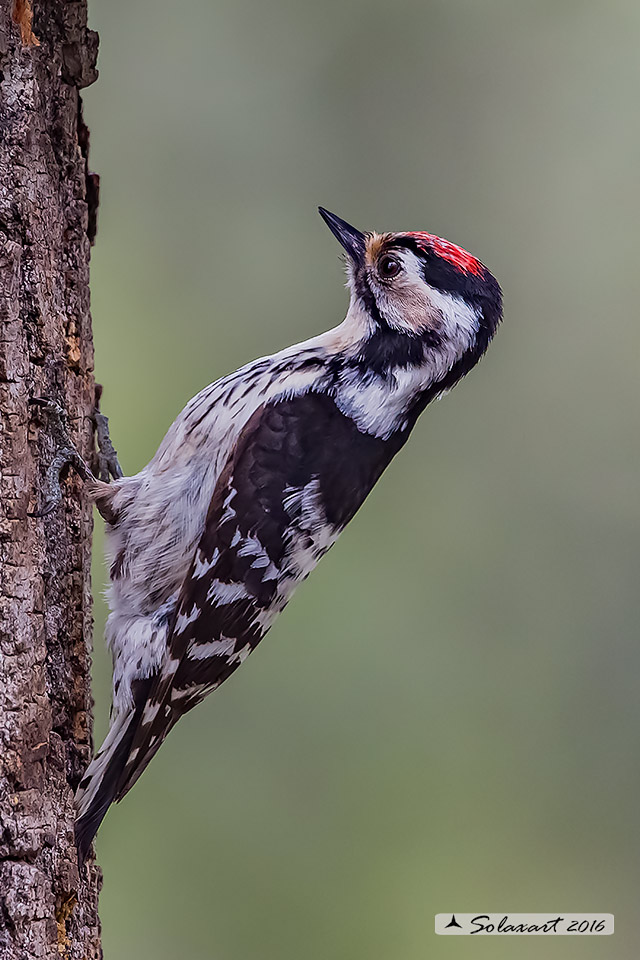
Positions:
{"x": 257, "y": 477}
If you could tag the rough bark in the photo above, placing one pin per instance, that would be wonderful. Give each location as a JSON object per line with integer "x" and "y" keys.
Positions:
{"x": 47, "y": 213}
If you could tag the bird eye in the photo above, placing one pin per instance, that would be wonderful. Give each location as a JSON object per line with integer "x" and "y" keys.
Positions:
{"x": 389, "y": 267}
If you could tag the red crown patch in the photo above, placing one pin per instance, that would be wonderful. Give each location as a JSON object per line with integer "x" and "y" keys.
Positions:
{"x": 449, "y": 252}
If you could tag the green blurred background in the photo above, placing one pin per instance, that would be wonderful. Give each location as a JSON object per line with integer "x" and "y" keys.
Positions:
{"x": 446, "y": 715}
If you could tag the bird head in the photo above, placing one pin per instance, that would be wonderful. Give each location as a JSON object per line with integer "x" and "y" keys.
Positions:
{"x": 418, "y": 300}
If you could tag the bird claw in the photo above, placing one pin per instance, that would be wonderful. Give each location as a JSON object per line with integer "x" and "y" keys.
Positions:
{"x": 57, "y": 413}
{"x": 108, "y": 464}
{"x": 49, "y": 506}
{"x": 66, "y": 455}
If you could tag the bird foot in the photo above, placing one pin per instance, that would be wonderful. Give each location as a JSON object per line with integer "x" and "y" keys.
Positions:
{"x": 108, "y": 464}
{"x": 66, "y": 455}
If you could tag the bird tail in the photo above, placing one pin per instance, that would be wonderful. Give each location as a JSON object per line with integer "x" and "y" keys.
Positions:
{"x": 99, "y": 786}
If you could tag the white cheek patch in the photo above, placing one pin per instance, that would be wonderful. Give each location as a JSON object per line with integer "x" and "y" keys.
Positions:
{"x": 459, "y": 324}
{"x": 460, "y": 318}
{"x": 411, "y": 305}
{"x": 379, "y": 404}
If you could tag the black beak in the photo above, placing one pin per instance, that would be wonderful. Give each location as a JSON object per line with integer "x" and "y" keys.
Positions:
{"x": 351, "y": 239}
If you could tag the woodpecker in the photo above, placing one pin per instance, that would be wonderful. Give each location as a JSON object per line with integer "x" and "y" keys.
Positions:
{"x": 258, "y": 476}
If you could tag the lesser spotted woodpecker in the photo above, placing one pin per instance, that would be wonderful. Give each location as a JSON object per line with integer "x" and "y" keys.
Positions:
{"x": 258, "y": 476}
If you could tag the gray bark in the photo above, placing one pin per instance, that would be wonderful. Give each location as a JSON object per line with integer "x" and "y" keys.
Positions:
{"x": 47, "y": 216}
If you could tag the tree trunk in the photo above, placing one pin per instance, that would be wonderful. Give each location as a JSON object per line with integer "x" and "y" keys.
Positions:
{"x": 47, "y": 218}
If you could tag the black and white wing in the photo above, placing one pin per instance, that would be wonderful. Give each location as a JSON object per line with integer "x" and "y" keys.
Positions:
{"x": 298, "y": 473}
